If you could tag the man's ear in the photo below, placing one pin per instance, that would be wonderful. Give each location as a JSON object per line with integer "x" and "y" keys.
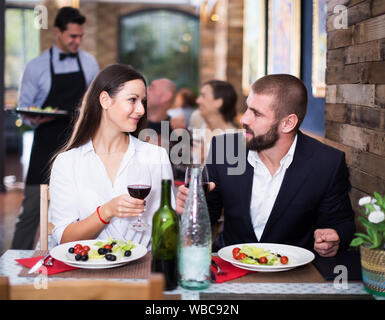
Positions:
{"x": 289, "y": 123}
{"x": 105, "y": 100}
{"x": 57, "y": 31}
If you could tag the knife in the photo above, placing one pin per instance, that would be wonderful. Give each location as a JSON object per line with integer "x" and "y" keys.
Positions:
{"x": 38, "y": 264}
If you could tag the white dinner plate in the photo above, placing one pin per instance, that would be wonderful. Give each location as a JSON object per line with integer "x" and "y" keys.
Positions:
{"x": 61, "y": 253}
{"x": 297, "y": 256}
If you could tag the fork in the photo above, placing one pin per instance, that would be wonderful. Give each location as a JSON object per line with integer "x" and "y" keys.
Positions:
{"x": 49, "y": 262}
{"x": 219, "y": 270}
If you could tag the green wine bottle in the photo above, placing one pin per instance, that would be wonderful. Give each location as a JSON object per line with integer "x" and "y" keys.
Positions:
{"x": 165, "y": 237}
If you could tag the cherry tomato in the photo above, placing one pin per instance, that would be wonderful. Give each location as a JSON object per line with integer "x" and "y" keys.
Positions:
{"x": 242, "y": 256}
{"x": 78, "y": 250}
{"x": 86, "y": 248}
{"x": 236, "y": 252}
{"x": 263, "y": 260}
{"x": 107, "y": 246}
{"x": 78, "y": 246}
{"x": 284, "y": 260}
{"x": 83, "y": 253}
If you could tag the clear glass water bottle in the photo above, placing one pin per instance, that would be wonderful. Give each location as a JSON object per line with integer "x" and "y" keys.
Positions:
{"x": 195, "y": 237}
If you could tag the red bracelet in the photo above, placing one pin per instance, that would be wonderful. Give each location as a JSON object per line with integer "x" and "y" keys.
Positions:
{"x": 97, "y": 211}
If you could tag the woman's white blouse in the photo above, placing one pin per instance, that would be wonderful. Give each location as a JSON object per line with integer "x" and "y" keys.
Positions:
{"x": 79, "y": 184}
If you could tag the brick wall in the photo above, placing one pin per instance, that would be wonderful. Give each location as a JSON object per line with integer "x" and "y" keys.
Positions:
{"x": 102, "y": 26}
{"x": 355, "y": 98}
{"x": 221, "y": 45}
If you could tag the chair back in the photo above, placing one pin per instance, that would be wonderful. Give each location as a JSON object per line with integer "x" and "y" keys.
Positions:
{"x": 90, "y": 290}
{"x": 45, "y": 226}
{"x": 4, "y": 288}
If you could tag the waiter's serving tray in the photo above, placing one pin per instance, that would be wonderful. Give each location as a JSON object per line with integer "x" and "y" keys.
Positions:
{"x": 41, "y": 113}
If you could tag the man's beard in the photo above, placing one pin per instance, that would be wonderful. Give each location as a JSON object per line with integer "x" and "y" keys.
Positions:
{"x": 263, "y": 141}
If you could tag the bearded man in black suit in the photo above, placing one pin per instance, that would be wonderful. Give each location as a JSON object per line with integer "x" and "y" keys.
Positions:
{"x": 292, "y": 190}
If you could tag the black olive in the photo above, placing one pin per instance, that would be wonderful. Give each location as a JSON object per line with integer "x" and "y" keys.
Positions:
{"x": 127, "y": 253}
{"x": 78, "y": 257}
{"x": 71, "y": 250}
{"x": 108, "y": 250}
{"x": 110, "y": 257}
{"x": 84, "y": 258}
{"x": 102, "y": 251}
{"x": 113, "y": 243}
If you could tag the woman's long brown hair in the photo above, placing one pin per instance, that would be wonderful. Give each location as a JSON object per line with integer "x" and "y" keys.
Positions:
{"x": 111, "y": 79}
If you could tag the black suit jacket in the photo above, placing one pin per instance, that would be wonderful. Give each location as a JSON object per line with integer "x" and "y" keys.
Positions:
{"x": 313, "y": 194}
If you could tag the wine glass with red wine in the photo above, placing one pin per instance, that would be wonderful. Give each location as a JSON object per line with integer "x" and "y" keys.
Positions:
{"x": 205, "y": 178}
{"x": 140, "y": 190}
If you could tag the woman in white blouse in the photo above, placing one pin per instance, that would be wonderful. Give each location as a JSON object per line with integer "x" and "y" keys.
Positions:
{"x": 89, "y": 177}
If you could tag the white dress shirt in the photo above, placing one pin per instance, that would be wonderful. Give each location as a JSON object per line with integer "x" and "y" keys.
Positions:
{"x": 36, "y": 81}
{"x": 79, "y": 184}
{"x": 266, "y": 187}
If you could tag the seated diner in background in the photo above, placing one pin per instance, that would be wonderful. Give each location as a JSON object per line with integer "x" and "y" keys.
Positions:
{"x": 216, "y": 115}
{"x": 89, "y": 176}
{"x": 293, "y": 189}
{"x": 183, "y": 108}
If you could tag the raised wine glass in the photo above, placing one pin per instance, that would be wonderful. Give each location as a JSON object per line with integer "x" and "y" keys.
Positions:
{"x": 140, "y": 189}
{"x": 205, "y": 177}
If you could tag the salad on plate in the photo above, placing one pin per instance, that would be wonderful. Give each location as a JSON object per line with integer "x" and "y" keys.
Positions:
{"x": 110, "y": 250}
{"x": 258, "y": 256}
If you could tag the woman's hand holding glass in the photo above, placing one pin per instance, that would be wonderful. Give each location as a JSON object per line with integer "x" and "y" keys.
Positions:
{"x": 123, "y": 206}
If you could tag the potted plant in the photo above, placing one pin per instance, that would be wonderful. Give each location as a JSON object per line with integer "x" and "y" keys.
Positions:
{"x": 372, "y": 244}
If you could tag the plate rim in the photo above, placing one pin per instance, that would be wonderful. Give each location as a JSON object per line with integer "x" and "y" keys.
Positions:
{"x": 265, "y": 267}
{"x": 98, "y": 264}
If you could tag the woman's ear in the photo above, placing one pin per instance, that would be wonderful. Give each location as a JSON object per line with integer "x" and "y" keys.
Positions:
{"x": 105, "y": 100}
{"x": 289, "y": 124}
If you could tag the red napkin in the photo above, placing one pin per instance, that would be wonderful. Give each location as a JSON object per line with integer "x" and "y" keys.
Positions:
{"x": 232, "y": 272}
{"x": 57, "y": 266}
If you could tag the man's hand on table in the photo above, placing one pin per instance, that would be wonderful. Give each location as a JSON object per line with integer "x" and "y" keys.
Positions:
{"x": 326, "y": 242}
{"x": 182, "y": 196}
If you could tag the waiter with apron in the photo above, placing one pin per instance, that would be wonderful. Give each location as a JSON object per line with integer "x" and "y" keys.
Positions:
{"x": 57, "y": 78}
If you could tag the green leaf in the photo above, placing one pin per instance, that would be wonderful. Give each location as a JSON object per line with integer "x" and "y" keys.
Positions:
{"x": 378, "y": 198}
{"x": 357, "y": 242}
{"x": 376, "y": 240}
{"x": 371, "y": 235}
{"x": 368, "y": 224}
{"x": 363, "y": 236}
{"x": 370, "y": 207}
{"x": 381, "y": 226}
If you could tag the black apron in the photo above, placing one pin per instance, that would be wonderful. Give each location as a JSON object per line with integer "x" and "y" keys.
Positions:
{"x": 66, "y": 92}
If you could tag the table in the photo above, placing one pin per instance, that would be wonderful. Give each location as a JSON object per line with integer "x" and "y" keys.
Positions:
{"x": 305, "y": 283}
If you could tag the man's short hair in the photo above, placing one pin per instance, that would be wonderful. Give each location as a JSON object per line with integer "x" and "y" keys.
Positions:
{"x": 68, "y": 15}
{"x": 290, "y": 95}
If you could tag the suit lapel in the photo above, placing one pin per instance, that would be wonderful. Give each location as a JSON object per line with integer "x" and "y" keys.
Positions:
{"x": 295, "y": 175}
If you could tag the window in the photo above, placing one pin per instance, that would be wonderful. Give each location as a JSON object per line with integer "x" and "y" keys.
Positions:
{"x": 162, "y": 44}
{"x": 21, "y": 45}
